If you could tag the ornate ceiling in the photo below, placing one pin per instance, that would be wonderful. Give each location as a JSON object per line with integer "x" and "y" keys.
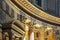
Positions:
{"x": 33, "y": 11}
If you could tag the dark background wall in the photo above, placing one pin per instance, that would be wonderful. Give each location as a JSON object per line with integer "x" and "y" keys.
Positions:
{"x": 50, "y": 6}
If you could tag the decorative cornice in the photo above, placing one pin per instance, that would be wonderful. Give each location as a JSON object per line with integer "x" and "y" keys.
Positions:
{"x": 37, "y": 13}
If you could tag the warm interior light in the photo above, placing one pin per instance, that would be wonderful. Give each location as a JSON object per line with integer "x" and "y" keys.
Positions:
{"x": 26, "y": 28}
{"x": 37, "y": 25}
{"x": 27, "y": 21}
{"x": 49, "y": 28}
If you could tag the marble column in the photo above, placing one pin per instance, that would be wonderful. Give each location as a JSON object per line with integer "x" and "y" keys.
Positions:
{"x": 42, "y": 33}
{"x": 26, "y": 32}
{"x": 51, "y": 35}
{"x": 32, "y": 36}
{"x": 24, "y": 38}
{"x": 31, "y": 33}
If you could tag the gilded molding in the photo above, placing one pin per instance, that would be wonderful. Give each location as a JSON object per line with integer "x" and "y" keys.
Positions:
{"x": 37, "y": 12}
